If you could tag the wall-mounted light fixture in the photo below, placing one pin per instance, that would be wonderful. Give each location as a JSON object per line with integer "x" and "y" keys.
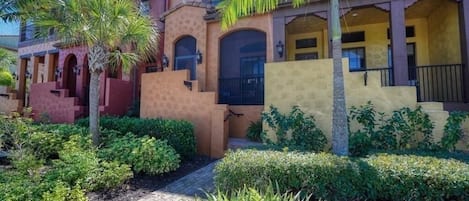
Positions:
{"x": 199, "y": 57}
{"x": 58, "y": 72}
{"x": 28, "y": 75}
{"x": 280, "y": 48}
{"x": 165, "y": 61}
{"x": 76, "y": 70}
{"x": 15, "y": 76}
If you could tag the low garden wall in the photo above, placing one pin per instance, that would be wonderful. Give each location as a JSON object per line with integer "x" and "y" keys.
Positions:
{"x": 170, "y": 95}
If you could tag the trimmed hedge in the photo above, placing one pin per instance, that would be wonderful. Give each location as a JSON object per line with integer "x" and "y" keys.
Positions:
{"x": 178, "y": 133}
{"x": 329, "y": 177}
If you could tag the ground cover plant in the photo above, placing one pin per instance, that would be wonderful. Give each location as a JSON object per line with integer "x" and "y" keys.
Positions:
{"x": 59, "y": 162}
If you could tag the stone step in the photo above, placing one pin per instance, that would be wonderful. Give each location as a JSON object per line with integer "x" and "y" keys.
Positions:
{"x": 431, "y": 106}
{"x": 239, "y": 143}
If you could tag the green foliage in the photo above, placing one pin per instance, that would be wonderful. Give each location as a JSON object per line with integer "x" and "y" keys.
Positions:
{"x": 404, "y": 129}
{"x": 453, "y": 131}
{"x": 179, "y": 134}
{"x": 268, "y": 193}
{"x": 304, "y": 134}
{"x": 330, "y": 177}
{"x": 61, "y": 192}
{"x": 254, "y": 131}
{"x": 144, "y": 154}
{"x": 75, "y": 170}
{"x": 79, "y": 165}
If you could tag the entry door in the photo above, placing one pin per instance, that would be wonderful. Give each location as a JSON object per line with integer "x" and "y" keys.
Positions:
{"x": 187, "y": 62}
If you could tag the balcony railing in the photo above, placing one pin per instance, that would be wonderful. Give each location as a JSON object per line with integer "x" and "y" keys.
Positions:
{"x": 439, "y": 83}
{"x": 386, "y": 75}
{"x": 435, "y": 83}
{"x": 242, "y": 91}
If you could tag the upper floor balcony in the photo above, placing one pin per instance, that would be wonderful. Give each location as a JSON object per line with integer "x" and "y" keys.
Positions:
{"x": 29, "y": 35}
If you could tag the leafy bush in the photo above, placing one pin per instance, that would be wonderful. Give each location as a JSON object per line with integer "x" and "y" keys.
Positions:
{"x": 254, "y": 131}
{"x": 61, "y": 192}
{"x": 252, "y": 194}
{"x": 179, "y": 134}
{"x": 78, "y": 166}
{"x": 453, "y": 131}
{"x": 144, "y": 154}
{"x": 305, "y": 135}
{"x": 403, "y": 129}
{"x": 329, "y": 177}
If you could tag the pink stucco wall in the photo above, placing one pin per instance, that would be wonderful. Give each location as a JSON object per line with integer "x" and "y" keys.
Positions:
{"x": 57, "y": 106}
{"x": 118, "y": 97}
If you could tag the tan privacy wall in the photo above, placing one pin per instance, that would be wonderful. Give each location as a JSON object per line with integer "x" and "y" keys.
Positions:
{"x": 309, "y": 85}
{"x": 8, "y": 101}
{"x": 165, "y": 95}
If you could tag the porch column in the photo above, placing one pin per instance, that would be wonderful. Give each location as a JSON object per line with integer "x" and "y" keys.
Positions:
{"x": 35, "y": 72}
{"x": 279, "y": 35}
{"x": 49, "y": 60}
{"x": 398, "y": 43}
{"x": 22, "y": 78}
{"x": 464, "y": 34}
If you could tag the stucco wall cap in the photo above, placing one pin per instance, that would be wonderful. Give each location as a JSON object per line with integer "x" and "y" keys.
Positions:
{"x": 191, "y": 3}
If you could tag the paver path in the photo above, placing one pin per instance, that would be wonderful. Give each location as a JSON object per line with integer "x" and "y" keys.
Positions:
{"x": 186, "y": 188}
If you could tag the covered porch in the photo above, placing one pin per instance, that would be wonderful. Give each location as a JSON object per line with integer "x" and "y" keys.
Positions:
{"x": 410, "y": 42}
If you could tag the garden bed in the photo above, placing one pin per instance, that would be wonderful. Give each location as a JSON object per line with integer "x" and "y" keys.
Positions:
{"x": 142, "y": 185}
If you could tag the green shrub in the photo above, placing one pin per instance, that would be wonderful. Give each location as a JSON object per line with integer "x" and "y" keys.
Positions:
{"x": 179, "y": 134}
{"x": 305, "y": 135}
{"x": 403, "y": 129}
{"x": 268, "y": 193}
{"x": 254, "y": 131}
{"x": 144, "y": 154}
{"x": 329, "y": 177}
{"x": 453, "y": 131}
{"x": 79, "y": 166}
{"x": 61, "y": 192}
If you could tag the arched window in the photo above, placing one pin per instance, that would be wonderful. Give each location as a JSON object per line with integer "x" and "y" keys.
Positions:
{"x": 242, "y": 58}
{"x": 185, "y": 55}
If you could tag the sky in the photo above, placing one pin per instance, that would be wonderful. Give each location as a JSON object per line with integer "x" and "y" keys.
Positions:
{"x": 9, "y": 28}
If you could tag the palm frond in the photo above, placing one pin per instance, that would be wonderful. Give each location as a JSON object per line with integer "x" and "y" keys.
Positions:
{"x": 232, "y": 10}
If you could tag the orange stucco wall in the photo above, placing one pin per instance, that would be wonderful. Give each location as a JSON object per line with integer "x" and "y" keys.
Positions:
{"x": 188, "y": 21}
{"x": 164, "y": 95}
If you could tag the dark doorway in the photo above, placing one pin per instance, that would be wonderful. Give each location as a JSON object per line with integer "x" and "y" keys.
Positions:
{"x": 70, "y": 77}
{"x": 242, "y": 59}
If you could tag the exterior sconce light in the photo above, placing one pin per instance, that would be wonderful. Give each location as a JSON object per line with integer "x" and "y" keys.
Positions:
{"x": 76, "y": 70}
{"x": 199, "y": 57}
{"x": 165, "y": 61}
{"x": 280, "y": 48}
{"x": 15, "y": 76}
{"x": 28, "y": 75}
{"x": 58, "y": 72}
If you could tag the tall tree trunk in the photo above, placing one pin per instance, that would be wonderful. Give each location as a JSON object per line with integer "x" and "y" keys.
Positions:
{"x": 339, "y": 116}
{"x": 94, "y": 107}
{"x": 97, "y": 60}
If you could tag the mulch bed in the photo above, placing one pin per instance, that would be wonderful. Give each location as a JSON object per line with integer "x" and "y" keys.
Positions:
{"x": 142, "y": 185}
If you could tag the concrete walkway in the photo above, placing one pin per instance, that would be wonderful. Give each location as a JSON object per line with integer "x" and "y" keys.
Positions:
{"x": 197, "y": 183}
{"x": 186, "y": 188}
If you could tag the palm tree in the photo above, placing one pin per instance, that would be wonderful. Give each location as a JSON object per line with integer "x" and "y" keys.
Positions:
{"x": 232, "y": 10}
{"x": 104, "y": 26}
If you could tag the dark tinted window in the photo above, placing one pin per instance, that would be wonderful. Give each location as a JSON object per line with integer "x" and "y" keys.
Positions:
{"x": 306, "y": 43}
{"x": 353, "y": 37}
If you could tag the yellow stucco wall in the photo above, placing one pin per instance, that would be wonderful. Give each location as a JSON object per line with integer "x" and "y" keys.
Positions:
{"x": 443, "y": 35}
{"x": 309, "y": 85}
{"x": 376, "y": 42}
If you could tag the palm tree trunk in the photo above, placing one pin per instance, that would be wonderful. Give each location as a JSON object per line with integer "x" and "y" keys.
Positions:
{"x": 339, "y": 116}
{"x": 94, "y": 107}
{"x": 97, "y": 60}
